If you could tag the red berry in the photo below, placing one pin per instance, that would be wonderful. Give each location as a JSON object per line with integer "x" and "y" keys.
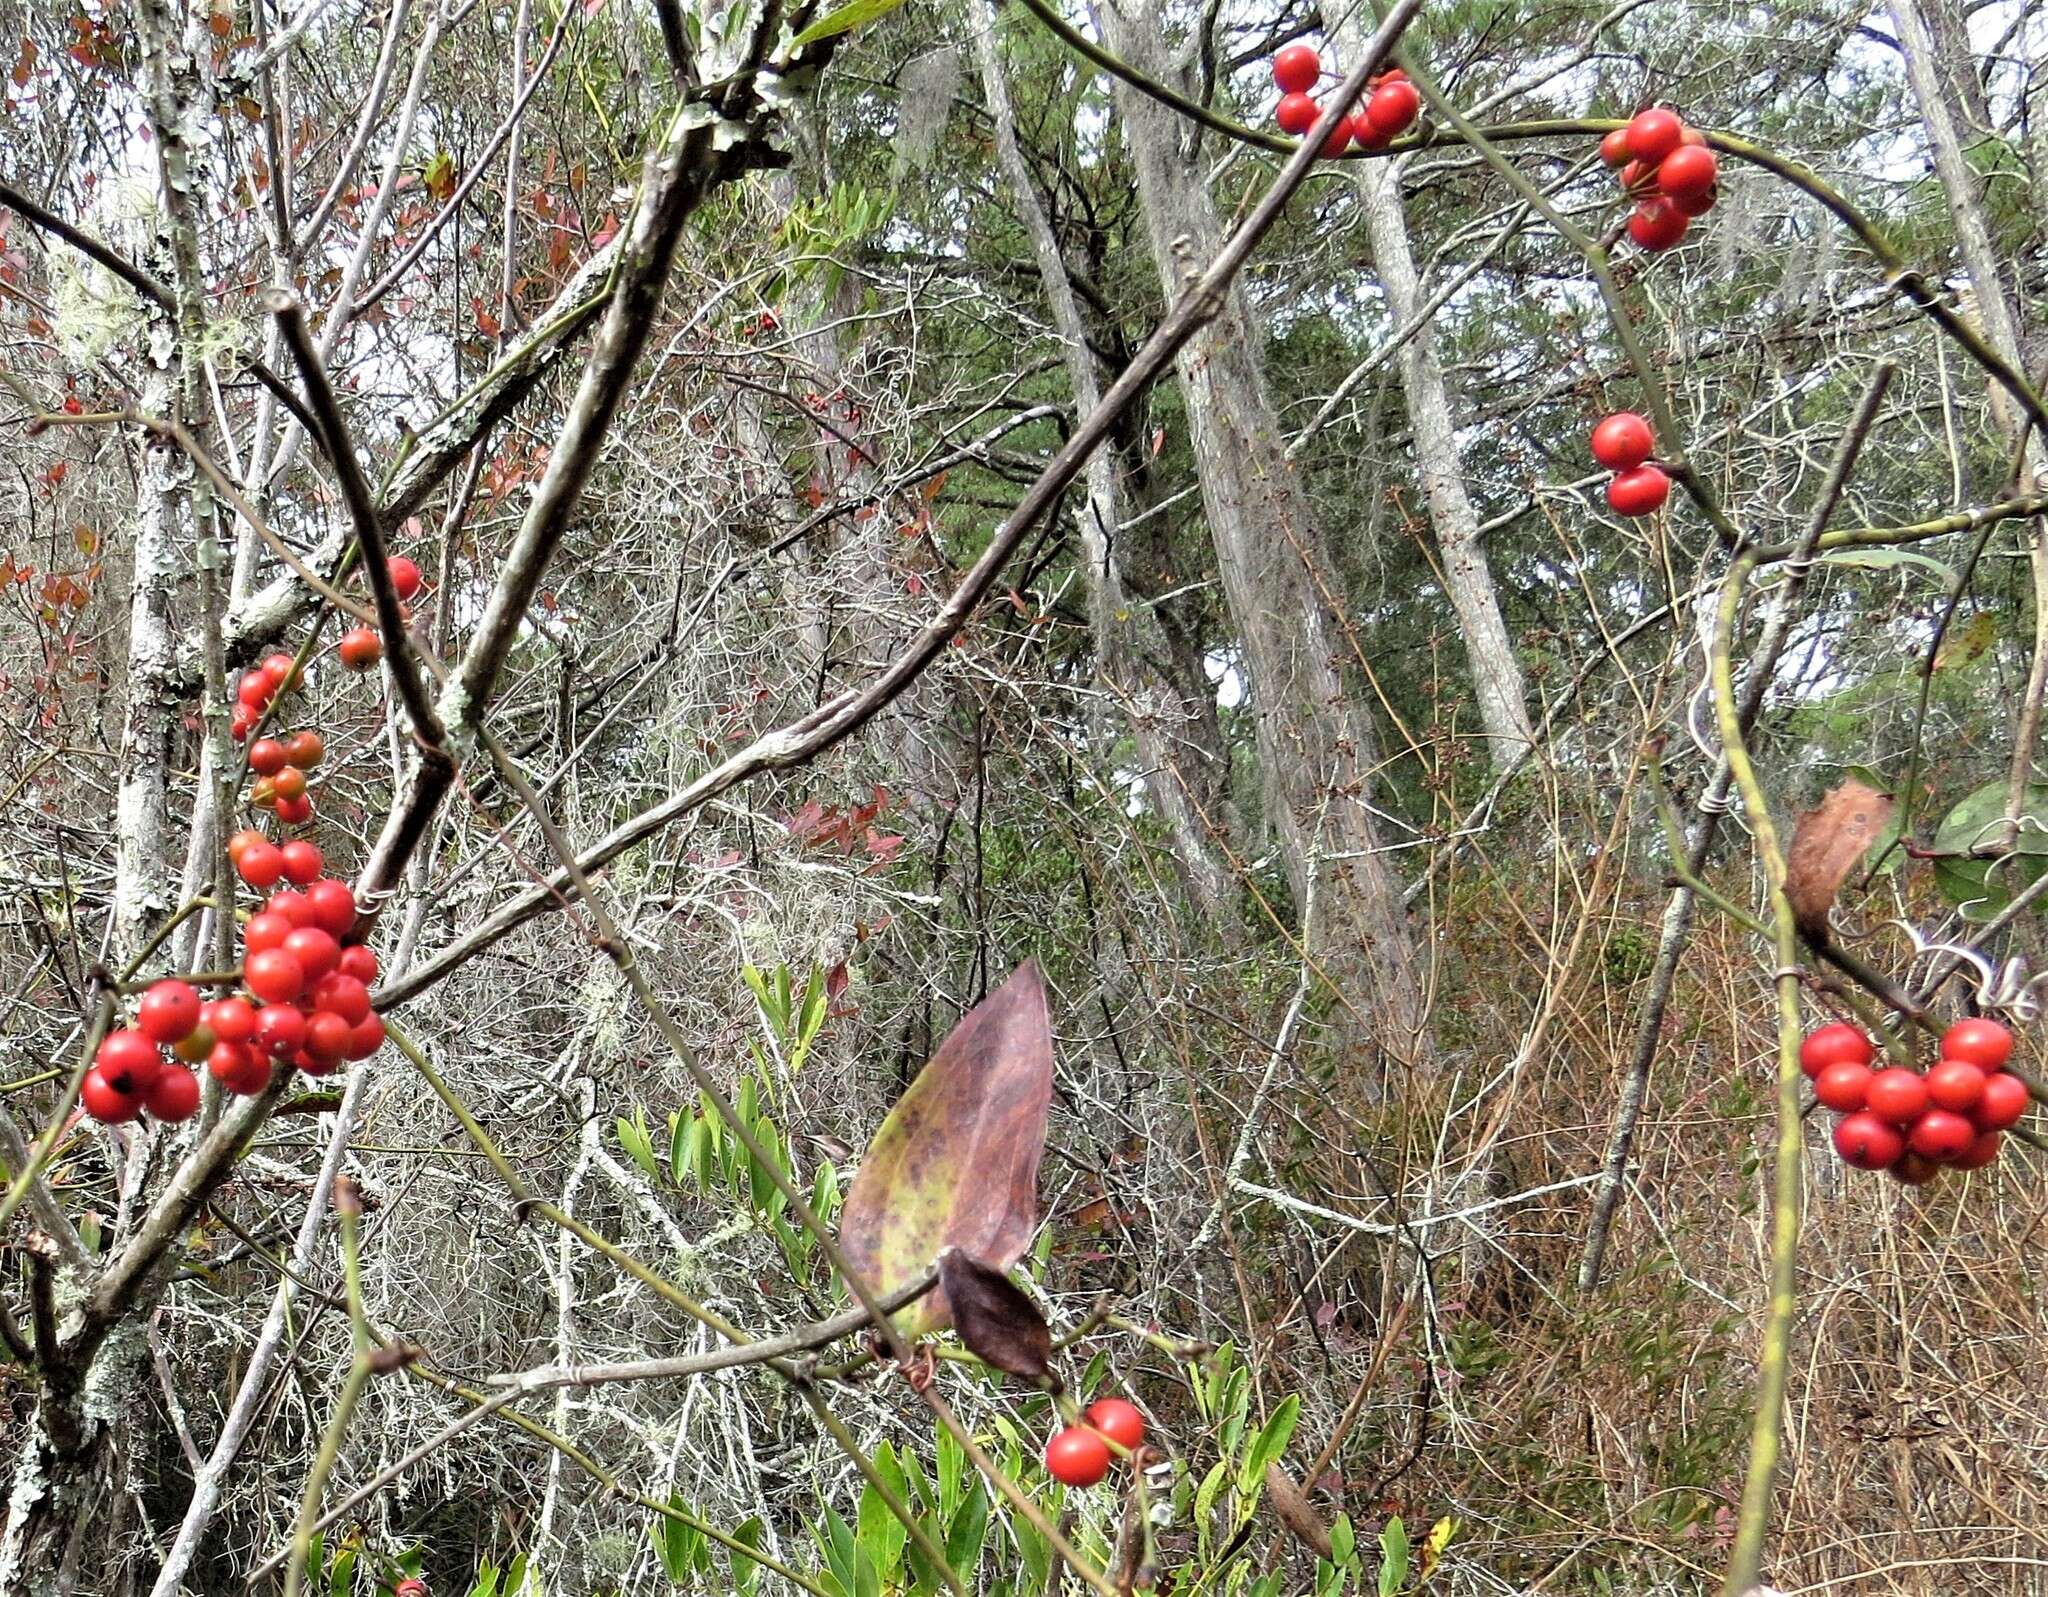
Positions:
{"x": 405, "y": 576}
{"x": 1393, "y": 106}
{"x": 1654, "y": 134}
{"x": 243, "y": 840}
{"x": 360, "y": 649}
{"x": 1363, "y": 135}
{"x": 266, "y": 757}
{"x": 173, "y": 1096}
{"x": 1897, "y": 1095}
{"x": 1339, "y": 139}
{"x": 282, "y": 670}
{"x": 366, "y": 1037}
{"x": 1119, "y": 1421}
{"x": 1657, "y": 224}
{"x": 1614, "y": 148}
{"x": 1296, "y": 67}
{"x": 1867, "y": 1142}
{"x": 274, "y": 976}
{"x": 295, "y": 812}
{"x": 358, "y": 961}
{"x": 168, "y": 1011}
{"x": 128, "y": 1061}
{"x": 241, "y": 723}
{"x": 231, "y": 1020}
{"x": 253, "y": 691}
{"x": 294, "y": 907}
{"x": 327, "y": 1038}
{"x": 333, "y": 905}
{"x": 1981, "y": 1152}
{"x": 1914, "y": 1169}
{"x": 342, "y": 995}
{"x": 107, "y": 1103}
{"x": 280, "y": 1030}
{"x": 1843, "y": 1088}
{"x": 1955, "y": 1084}
{"x": 1635, "y": 178}
{"x": 1296, "y": 114}
{"x": 1834, "y": 1045}
{"x": 302, "y": 862}
{"x": 260, "y": 865}
{"x": 1622, "y": 441}
{"x": 1983, "y": 1043}
{"x": 1695, "y": 204}
{"x": 239, "y": 1068}
{"x": 289, "y": 784}
{"x": 1688, "y": 172}
{"x": 2003, "y": 1104}
{"x": 1640, "y": 491}
{"x": 1077, "y": 1457}
{"x": 305, "y": 749}
{"x": 1941, "y": 1135}
{"x": 316, "y": 951}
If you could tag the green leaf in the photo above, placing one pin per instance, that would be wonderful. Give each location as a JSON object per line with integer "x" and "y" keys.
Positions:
{"x": 956, "y": 1161}
{"x": 966, "y": 1533}
{"x": 1267, "y": 1447}
{"x": 1980, "y": 888}
{"x": 745, "y": 1572}
{"x": 1883, "y": 559}
{"x": 881, "y": 1534}
{"x": 679, "y": 1147}
{"x": 638, "y": 1145}
{"x": 1343, "y": 1539}
{"x": 847, "y": 17}
{"x": 1393, "y": 1557}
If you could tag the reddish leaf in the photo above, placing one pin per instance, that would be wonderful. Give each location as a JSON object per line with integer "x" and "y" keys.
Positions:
{"x": 956, "y": 1162}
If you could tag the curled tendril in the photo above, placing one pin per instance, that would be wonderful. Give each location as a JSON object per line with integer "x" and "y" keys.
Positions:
{"x": 2002, "y": 985}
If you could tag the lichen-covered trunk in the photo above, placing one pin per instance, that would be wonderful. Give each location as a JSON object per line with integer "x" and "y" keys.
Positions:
{"x": 1151, "y": 708}
{"x": 1497, "y": 683}
{"x": 1316, "y": 744}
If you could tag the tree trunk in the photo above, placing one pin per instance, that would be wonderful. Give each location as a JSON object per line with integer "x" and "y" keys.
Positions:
{"x": 1316, "y": 747}
{"x": 1468, "y": 580}
{"x": 1150, "y": 707}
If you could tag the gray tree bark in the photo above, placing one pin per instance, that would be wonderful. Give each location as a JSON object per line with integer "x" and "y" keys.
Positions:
{"x": 1150, "y": 707}
{"x": 1497, "y": 681}
{"x": 1316, "y": 745}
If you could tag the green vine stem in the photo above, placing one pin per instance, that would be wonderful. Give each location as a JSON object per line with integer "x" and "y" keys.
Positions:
{"x": 1753, "y": 1518}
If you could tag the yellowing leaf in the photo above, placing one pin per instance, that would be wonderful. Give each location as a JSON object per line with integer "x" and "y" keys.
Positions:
{"x": 955, "y": 1164}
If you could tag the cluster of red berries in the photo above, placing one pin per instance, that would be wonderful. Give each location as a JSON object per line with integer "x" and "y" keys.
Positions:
{"x": 307, "y": 1003}
{"x": 1622, "y": 443}
{"x": 1390, "y": 108}
{"x": 311, "y": 990}
{"x": 1668, "y": 170}
{"x": 1911, "y": 1123}
{"x": 1078, "y": 1455}
{"x": 360, "y": 648}
{"x": 130, "y": 1073}
{"x": 314, "y": 985}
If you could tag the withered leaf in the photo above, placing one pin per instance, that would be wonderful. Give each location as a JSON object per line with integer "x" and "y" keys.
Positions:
{"x": 1291, "y": 1504}
{"x": 1826, "y": 844}
{"x": 956, "y": 1162}
{"x": 996, "y": 1321}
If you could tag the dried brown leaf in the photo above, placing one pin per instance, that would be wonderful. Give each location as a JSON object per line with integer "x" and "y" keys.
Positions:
{"x": 998, "y": 1324}
{"x": 1826, "y": 844}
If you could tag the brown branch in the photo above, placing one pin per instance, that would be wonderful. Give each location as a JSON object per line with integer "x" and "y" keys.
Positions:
{"x": 334, "y": 437}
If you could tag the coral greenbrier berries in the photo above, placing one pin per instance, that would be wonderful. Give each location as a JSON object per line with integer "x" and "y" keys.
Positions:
{"x": 1954, "y": 1116}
